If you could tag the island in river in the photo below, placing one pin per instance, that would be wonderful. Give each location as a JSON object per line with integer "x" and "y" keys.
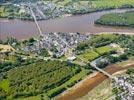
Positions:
{"x": 117, "y": 19}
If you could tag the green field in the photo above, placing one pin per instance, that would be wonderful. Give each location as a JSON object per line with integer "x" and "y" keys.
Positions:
{"x": 99, "y": 44}
{"x": 4, "y": 85}
{"x": 45, "y": 77}
{"x": 89, "y": 55}
{"x": 117, "y": 19}
{"x": 111, "y": 3}
{"x": 104, "y": 50}
{"x": 97, "y": 41}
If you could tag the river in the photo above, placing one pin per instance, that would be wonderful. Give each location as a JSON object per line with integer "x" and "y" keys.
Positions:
{"x": 79, "y": 23}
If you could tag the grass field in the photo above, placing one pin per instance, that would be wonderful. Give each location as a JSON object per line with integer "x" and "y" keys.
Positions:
{"x": 104, "y": 50}
{"x": 111, "y": 3}
{"x": 4, "y": 85}
{"x": 117, "y": 19}
{"x": 89, "y": 55}
{"x": 97, "y": 3}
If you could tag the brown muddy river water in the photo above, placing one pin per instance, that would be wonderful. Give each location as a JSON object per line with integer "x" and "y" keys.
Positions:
{"x": 79, "y": 23}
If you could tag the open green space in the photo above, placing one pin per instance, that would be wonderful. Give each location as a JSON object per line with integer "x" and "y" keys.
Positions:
{"x": 104, "y": 50}
{"x": 117, "y": 19}
{"x": 43, "y": 77}
{"x": 100, "y": 45}
{"x": 97, "y": 41}
{"x": 111, "y": 3}
{"x": 89, "y": 55}
{"x": 4, "y": 85}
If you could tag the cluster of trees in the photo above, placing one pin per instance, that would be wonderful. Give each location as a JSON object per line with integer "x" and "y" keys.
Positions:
{"x": 97, "y": 41}
{"x": 44, "y": 52}
{"x": 112, "y": 59}
{"x": 130, "y": 71}
{"x": 13, "y": 60}
{"x": 11, "y": 41}
{"x": 127, "y": 42}
{"x": 116, "y": 59}
{"x": 7, "y": 65}
{"x": 29, "y": 41}
{"x": 39, "y": 77}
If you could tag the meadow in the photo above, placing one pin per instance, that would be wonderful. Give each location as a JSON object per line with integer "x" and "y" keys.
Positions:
{"x": 104, "y": 50}
{"x": 89, "y": 55}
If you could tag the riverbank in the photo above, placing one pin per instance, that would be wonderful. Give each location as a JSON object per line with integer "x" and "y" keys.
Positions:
{"x": 103, "y": 91}
{"x": 126, "y": 33}
{"x": 90, "y": 82}
{"x": 59, "y": 8}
